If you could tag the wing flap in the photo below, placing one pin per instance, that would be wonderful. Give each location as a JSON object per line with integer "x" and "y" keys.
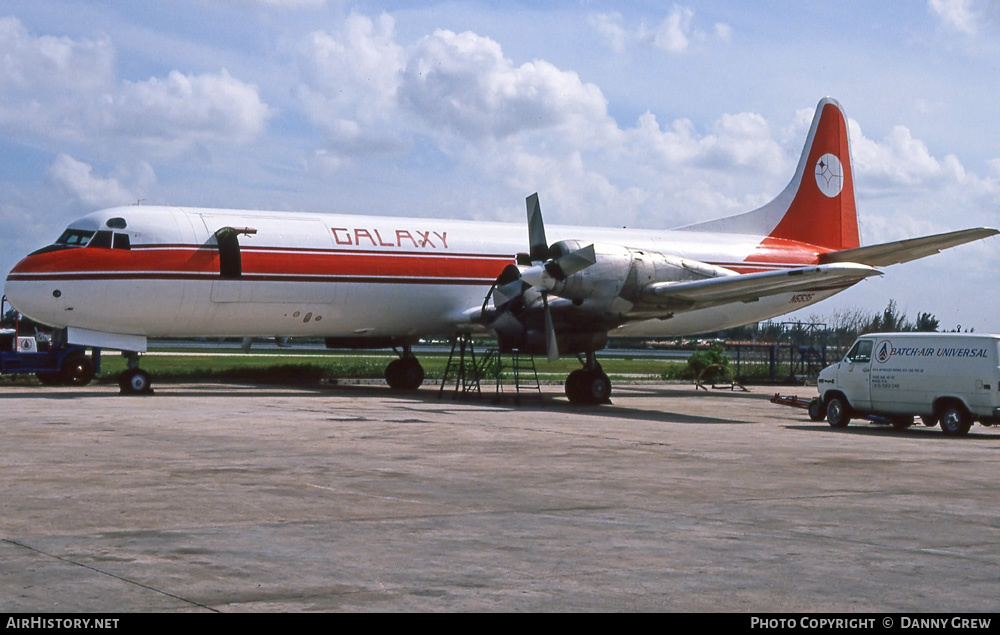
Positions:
{"x": 753, "y": 286}
{"x": 899, "y": 251}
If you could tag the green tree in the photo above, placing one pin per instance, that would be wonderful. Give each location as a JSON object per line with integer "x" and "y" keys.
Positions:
{"x": 890, "y": 320}
{"x": 926, "y": 323}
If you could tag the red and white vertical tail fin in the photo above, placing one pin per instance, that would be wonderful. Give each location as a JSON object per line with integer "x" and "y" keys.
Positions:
{"x": 817, "y": 207}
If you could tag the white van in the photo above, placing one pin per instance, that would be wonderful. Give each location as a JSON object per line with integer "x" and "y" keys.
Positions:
{"x": 947, "y": 378}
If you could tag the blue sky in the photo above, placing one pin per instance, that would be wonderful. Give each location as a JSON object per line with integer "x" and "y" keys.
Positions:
{"x": 643, "y": 114}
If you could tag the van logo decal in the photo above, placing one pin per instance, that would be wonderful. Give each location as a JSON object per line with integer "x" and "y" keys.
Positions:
{"x": 883, "y": 351}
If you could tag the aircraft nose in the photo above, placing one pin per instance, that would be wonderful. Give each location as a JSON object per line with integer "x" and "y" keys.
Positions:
{"x": 30, "y": 294}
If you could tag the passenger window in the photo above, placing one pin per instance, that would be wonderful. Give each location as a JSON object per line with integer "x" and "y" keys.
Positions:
{"x": 101, "y": 240}
{"x": 861, "y": 353}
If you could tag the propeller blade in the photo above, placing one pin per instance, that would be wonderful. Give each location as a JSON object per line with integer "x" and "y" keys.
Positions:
{"x": 551, "y": 344}
{"x": 504, "y": 293}
{"x": 573, "y": 262}
{"x": 538, "y": 246}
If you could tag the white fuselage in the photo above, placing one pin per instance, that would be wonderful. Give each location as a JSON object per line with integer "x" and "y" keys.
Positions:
{"x": 337, "y": 275}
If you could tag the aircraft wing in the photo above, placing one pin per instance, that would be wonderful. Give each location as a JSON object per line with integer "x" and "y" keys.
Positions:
{"x": 906, "y": 250}
{"x": 753, "y": 286}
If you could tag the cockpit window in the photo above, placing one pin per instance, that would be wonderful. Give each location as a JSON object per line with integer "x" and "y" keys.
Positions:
{"x": 75, "y": 237}
{"x": 71, "y": 238}
{"x": 106, "y": 240}
{"x": 101, "y": 240}
{"x": 116, "y": 223}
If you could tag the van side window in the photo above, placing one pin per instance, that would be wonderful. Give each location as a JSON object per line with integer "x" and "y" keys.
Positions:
{"x": 861, "y": 352}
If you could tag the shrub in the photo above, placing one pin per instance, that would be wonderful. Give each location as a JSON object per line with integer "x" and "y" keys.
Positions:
{"x": 698, "y": 362}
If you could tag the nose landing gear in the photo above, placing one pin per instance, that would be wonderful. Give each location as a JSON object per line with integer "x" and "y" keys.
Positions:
{"x": 589, "y": 385}
{"x": 133, "y": 380}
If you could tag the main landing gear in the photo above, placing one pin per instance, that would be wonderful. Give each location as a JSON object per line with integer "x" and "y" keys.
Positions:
{"x": 404, "y": 373}
{"x": 590, "y": 384}
{"x": 133, "y": 380}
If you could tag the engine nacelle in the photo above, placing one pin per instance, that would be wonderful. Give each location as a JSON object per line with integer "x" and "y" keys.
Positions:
{"x": 602, "y": 281}
{"x": 614, "y": 284}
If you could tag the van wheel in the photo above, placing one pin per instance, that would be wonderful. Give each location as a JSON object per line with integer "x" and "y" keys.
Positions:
{"x": 955, "y": 420}
{"x": 929, "y": 421}
{"x": 817, "y": 412}
{"x": 838, "y": 413}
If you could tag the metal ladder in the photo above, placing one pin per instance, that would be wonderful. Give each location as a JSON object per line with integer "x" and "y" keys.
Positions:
{"x": 466, "y": 372}
{"x": 525, "y": 375}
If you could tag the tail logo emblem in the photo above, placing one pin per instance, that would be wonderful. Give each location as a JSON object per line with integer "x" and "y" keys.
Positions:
{"x": 829, "y": 175}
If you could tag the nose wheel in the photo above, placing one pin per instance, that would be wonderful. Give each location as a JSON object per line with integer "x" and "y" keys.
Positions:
{"x": 134, "y": 381}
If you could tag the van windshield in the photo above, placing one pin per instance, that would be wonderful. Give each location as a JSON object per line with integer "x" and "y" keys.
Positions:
{"x": 861, "y": 352}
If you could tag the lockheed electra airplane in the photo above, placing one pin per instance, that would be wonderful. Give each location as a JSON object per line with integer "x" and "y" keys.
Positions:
{"x": 119, "y": 276}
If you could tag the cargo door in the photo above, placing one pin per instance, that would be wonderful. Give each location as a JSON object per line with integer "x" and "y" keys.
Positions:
{"x": 228, "y": 286}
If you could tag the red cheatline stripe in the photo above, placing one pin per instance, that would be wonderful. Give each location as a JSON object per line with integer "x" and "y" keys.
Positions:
{"x": 248, "y": 278}
{"x": 426, "y": 253}
{"x": 261, "y": 262}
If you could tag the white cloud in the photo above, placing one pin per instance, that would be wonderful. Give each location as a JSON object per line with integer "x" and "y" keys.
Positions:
{"x": 672, "y": 34}
{"x": 609, "y": 27}
{"x": 349, "y": 85}
{"x": 462, "y": 82}
{"x": 900, "y": 161}
{"x": 48, "y": 82}
{"x": 190, "y": 108}
{"x": 955, "y": 14}
{"x": 78, "y": 179}
{"x": 742, "y": 140}
{"x": 281, "y": 4}
{"x": 66, "y": 91}
{"x": 52, "y": 64}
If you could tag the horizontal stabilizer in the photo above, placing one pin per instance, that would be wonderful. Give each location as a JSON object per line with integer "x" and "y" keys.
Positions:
{"x": 906, "y": 250}
{"x": 753, "y": 286}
